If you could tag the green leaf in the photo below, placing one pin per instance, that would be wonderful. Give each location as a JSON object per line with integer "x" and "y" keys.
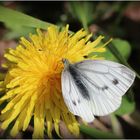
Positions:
{"x": 120, "y": 57}
{"x": 17, "y": 31}
{"x": 15, "y": 18}
{"x": 127, "y": 106}
{"x": 94, "y": 133}
{"x": 118, "y": 50}
{"x": 123, "y": 47}
{"x": 19, "y": 23}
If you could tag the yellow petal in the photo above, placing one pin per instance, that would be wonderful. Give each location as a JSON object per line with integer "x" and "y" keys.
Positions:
{"x": 18, "y": 124}
{"x": 56, "y": 120}
{"x": 29, "y": 111}
{"x": 39, "y": 121}
{"x": 49, "y": 123}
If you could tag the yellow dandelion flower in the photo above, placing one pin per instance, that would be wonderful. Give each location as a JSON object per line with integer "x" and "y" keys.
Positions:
{"x": 33, "y": 80}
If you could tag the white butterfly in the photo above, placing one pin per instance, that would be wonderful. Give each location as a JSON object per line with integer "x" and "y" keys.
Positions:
{"x": 94, "y": 87}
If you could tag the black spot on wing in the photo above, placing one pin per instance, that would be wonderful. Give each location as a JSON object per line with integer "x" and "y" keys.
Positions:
{"x": 74, "y": 103}
{"x": 105, "y": 88}
{"x": 79, "y": 82}
{"x": 115, "y": 82}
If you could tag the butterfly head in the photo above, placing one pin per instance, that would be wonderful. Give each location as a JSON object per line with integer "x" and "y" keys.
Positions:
{"x": 65, "y": 62}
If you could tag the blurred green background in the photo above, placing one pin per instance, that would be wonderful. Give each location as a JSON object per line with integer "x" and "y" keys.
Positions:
{"x": 119, "y": 20}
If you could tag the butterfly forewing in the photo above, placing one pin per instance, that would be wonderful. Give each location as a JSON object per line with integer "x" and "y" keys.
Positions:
{"x": 117, "y": 74}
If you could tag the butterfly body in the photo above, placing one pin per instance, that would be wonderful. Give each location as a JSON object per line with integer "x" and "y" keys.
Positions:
{"x": 94, "y": 87}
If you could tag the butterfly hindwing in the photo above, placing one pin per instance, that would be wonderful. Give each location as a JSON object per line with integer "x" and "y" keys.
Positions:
{"x": 73, "y": 99}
